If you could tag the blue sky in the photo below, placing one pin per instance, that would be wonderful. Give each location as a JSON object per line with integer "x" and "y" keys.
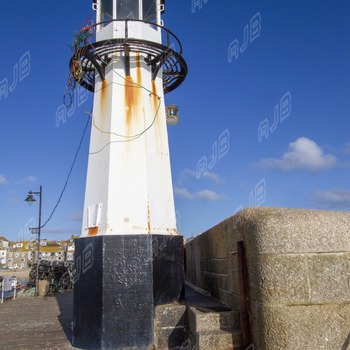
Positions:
{"x": 264, "y": 111}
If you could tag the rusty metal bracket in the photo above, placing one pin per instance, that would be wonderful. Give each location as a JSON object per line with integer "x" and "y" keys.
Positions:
{"x": 99, "y": 67}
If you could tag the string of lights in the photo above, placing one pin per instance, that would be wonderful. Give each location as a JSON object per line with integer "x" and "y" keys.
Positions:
{"x": 78, "y": 47}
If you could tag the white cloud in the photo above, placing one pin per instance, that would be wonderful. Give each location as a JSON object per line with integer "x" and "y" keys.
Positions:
{"x": 183, "y": 192}
{"x": 211, "y": 176}
{"x": 3, "y": 180}
{"x": 303, "y": 154}
{"x": 30, "y": 179}
{"x": 208, "y": 196}
{"x": 76, "y": 216}
{"x": 188, "y": 174}
{"x": 334, "y": 199}
{"x": 202, "y": 196}
{"x": 25, "y": 180}
{"x": 347, "y": 149}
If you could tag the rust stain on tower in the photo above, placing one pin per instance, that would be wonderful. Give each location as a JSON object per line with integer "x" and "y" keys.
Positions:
{"x": 128, "y": 89}
{"x": 148, "y": 219}
{"x": 103, "y": 97}
{"x": 138, "y": 70}
{"x": 155, "y": 95}
{"x": 156, "y": 105}
{"x": 133, "y": 97}
{"x": 93, "y": 231}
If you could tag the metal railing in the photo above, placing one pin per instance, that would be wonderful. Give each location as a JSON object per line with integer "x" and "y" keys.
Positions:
{"x": 168, "y": 33}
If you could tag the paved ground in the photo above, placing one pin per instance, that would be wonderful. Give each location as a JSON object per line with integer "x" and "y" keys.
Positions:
{"x": 44, "y": 323}
{"x": 41, "y": 323}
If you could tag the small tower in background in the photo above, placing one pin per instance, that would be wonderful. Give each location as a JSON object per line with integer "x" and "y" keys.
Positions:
{"x": 129, "y": 257}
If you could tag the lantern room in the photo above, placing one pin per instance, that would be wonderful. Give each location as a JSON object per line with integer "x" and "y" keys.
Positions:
{"x": 143, "y": 10}
{"x": 143, "y": 17}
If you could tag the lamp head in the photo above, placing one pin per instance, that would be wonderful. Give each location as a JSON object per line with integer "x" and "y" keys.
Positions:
{"x": 30, "y": 198}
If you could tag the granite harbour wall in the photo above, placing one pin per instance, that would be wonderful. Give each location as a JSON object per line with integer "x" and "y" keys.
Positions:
{"x": 298, "y": 274}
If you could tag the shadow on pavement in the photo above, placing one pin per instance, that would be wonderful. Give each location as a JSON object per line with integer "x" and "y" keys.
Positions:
{"x": 65, "y": 304}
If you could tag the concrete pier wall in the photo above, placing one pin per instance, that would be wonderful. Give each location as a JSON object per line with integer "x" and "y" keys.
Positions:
{"x": 298, "y": 264}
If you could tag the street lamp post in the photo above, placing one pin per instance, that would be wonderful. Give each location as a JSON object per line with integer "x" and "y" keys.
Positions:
{"x": 30, "y": 200}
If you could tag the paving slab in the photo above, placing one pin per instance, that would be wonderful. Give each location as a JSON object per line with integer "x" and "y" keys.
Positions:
{"x": 37, "y": 323}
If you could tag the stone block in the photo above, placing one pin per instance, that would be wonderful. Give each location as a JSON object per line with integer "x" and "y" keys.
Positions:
{"x": 293, "y": 231}
{"x": 172, "y": 315}
{"x": 226, "y": 296}
{"x": 213, "y": 243}
{"x": 190, "y": 267}
{"x": 170, "y": 338}
{"x": 199, "y": 321}
{"x": 321, "y": 327}
{"x": 170, "y": 326}
{"x": 279, "y": 279}
{"x": 212, "y": 330}
{"x": 255, "y": 326}
{"x": 329, "y": 277}
{"x": 212, "y": 282}
{"x": 218, "y": 340}
{"x": 219, "y": 266}
{"x": 235, "y": 301}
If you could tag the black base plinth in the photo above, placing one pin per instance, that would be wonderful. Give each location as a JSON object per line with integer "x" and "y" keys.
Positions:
{"x": 118, "y": 282}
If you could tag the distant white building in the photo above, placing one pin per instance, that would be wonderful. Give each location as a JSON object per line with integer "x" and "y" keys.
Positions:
{"x": 43, "y": 242}
{"x": 4, "y": 243}
{"x": 17, "y": 258}
{"x": 3, "y": 253}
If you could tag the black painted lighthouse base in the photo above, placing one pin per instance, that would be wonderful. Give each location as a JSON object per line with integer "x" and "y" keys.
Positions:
{"x": 118, "y": 282}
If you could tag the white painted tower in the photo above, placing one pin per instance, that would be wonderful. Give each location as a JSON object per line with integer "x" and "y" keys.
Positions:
{"x": 133, "y": 62}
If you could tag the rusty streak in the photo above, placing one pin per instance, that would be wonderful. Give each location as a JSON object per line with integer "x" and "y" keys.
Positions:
{"x": 128, "y": 98}
{"x": 93, "y": 231}
{"x": 138, "y": 69}
{"x": 103, "y": 93}
{"x": 133, "y": 94}
{"x": 149, "y": 219}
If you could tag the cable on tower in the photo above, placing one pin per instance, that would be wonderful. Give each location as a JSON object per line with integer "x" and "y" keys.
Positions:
{"x": 69, "y": 174}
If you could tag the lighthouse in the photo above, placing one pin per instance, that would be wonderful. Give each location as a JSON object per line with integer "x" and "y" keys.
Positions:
{"x": 129, "y": 258}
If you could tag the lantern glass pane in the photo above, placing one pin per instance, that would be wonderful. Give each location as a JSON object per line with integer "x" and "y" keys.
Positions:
{"x": 149, "y": 10}
{"x": 127, "y": 9}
